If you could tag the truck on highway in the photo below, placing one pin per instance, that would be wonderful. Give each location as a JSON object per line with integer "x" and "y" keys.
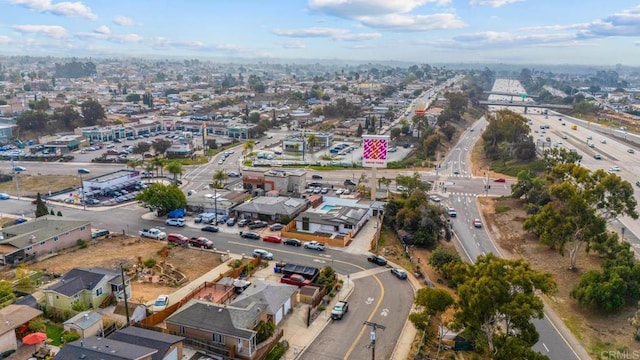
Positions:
{"x": 295, "y": 279}
{"x": 339, "y": 309}
{"x": 152, "y": 234}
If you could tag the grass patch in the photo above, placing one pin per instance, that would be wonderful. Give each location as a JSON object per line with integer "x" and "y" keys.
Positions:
{"x": 54, "y": 332}
{"x": 332, "y": 167}
{"x": 198, "y": 160}
{"x": 502, "y": 209}
{"x": 512, "y": 168}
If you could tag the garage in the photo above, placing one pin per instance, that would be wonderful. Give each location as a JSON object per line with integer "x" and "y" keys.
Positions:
{"x": 279, "y": 315}
{"x": 173, "y": 355}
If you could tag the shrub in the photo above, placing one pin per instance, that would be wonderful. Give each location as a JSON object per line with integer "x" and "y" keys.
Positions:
{"x": 69, "y": 336}
{"x": 82, "y": 244}
{"x": 150, "y": 263}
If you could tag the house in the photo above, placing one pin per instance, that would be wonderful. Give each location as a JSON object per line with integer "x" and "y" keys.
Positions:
{"x": 15, "y": 319}
{"x": 332, "y": 219}
{"x": 91, "y": 287}
{"x": 104, "y": 349}
{"x": 272, "y": 208}
{"x": 278, "y": 299}
{"x": 44, "y": 235}
{"x": 222, "y": 329}
{"x": 85, "y": 324}
{"x": 168, "y": 346}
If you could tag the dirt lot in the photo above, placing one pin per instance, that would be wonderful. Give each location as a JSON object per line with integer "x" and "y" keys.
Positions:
{"x": 31, "y": 185}
{"x": 597, "y": 331}
{"x": 110, "y": 253}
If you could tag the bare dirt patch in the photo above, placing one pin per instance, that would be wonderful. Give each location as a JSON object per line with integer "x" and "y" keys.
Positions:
{"x": 111, "y": 252}
{"x": 31, "y": 185}
{"x": 597, "y": 331}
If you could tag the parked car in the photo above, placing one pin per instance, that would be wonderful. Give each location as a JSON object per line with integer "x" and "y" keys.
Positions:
{"x": 178, "y": 239}
{"x": 263, "y": 254}
{"x": 250, "y": 235}
{"x": 399, "y": 273}
{"x": 314, "y": 245}
{"x": 272, "y": 238}
{"x": 210, "y": 228}
{"x": 258, "y": 224}
{"x": 499, "y": 180}
{"x": 316, "y": 177}
{"x": 295, "y": 242}
{"x": 161, "y": 303}
{"x": 377, "y": 259}
{"x": 243, "y": 222}
{"x": 434, "y": 198}
{"x": 276, "y": 227}
{"x": 231, "y": 221}
{"x": 4, "y": 196}
{"x": 179, "y": 222}
{"x": 201, "y": 242}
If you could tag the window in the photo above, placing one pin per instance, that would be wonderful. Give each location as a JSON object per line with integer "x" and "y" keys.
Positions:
{"x": 181, "y": 329}
{"x": 305, "y": 223}
{"x": 29, "y": 248}
{"x": 82, "y": 228}
{"x": 98, "y": 291}
{"x": 55, "y": 238}
{"x": 42, "y": 243}
{"x": 348, "y": 226}
{"x": 219, "y": 338}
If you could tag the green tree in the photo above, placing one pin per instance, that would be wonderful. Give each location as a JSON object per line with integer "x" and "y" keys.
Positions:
{"x": 441, "y": 257}
{"x": 160, "y": 146}
{"x": 175, "y": 168}
{"x": 159, "y": 164}
{"x": 164, "y": 198}
{"x": 434, "y": 301}
{"x": 133, "y": 97}
{"x": 32, "y": 120}
{"x": 68, "y": 116}
{"x": 359, "y": 131}
{"x": 219, "y": 178}
{"x": 92, "y": 112}
{"x": 7, "y": 296}
{"x": 412, "y": 182}
{"x": 134, "y": 164}
{"x": 41, "y": 208}
{"x": 634, "y": 321}
{"x": 498, "y": 294}
{"x": 264, "y": 330}
{"x": 248, "y": 147}
{"x": 141, "y": 148}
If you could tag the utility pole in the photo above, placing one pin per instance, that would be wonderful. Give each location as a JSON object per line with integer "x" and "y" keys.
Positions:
{"x": 372, "y": 336}
{"x": 124, "y": 292}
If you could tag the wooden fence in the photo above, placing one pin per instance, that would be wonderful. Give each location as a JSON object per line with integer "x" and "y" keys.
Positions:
{"x": 289, "y": 232}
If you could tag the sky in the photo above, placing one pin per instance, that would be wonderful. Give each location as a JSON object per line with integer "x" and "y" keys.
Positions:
{"x": 583, "y": 32}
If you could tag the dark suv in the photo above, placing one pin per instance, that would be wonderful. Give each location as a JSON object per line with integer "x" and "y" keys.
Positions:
{"x": 250, "y": 235}
{"x": 349, "y": 182}
{"x": 377, "y": 259}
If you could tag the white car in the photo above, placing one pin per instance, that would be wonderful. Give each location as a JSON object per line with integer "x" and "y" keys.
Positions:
{"x": 161, "y": 303}
{"x": 175, "y": 222}
{"x": 603, "y": 141}
{"x": 314, "y": 245}
{"x": 615, "y": 169}
{"x": 402, "y": 188}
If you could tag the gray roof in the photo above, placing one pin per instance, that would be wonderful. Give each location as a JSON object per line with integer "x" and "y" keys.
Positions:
{"x": 95, "y": 348}
{"x": 77, "y": 279}
{"x": 215, "y": 318}
{"x": 273, "y": 296}
{"x": 40, "y": 229}
{"x": 272, "y": 205}
{"x": 337, "y": 215}
{"x": 85, "y": 319}
{"x": 147, "y": 338}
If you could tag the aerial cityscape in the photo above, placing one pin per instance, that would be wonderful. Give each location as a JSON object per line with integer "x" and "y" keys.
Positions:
{"x": 321, "y": 179}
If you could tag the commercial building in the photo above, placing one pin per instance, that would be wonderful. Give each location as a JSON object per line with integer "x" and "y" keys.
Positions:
{"x": 272, "y": 208}
{"x": 111, "y": 181}
{"x": 260, "y": 181}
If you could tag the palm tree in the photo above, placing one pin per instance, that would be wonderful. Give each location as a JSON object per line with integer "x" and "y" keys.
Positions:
{"x": 159, "y": 164}
{"x": 175, "y": 168}
{"x": 149, "y": 168}
{"x": 312, "y": 140}
{"x": 219, "y": 178}
{"x": 133, "y": 164}
{"x": 248, "y": 147}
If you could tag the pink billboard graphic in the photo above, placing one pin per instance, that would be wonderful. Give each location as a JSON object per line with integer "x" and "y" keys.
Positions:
{"x": 374, "y": 151}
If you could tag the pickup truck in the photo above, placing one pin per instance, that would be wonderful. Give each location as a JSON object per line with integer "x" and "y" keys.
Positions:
{"x": 295, "y": 279}
{"x": 153, "y": 234}
{"x": 314, "y": 245}
{"x": 339, "y": 309}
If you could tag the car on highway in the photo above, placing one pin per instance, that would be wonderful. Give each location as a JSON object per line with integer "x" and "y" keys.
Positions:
{"x": 19, "y": 168}
{"x": 233, "y": 174}
{"x": 597, "y": 156}
{"x": 564, "y": 137}
{"x": 272, "y": 239}
{"x": 631, "y": 151}
{"x": 314, "y": 245}
{"x": 589, "y": 137}
{"x": 263, "y": 254}
{"x": 316, "y": 177}
{"x": 250, "y": 235}
{"x": 452, "y": 212}
{"x": 500, "y": 180}
{"x": 276, "y": 227}
{"x": 210, "y": 228}
{"x": 614, "y": 169}
{"x": 377, "y": 259}
{"x": 638, "y": 183}
{"x": 161, "y": 303}
{"x": 175, "y": 222}
{"x": 292, "y": 242}
{"x": 477, "y": 223}
{"x": 603, "y": 141}
{"x": 399, "y": 273}
{"x": 434, "y": 198}
{"x": 4, "y": 196}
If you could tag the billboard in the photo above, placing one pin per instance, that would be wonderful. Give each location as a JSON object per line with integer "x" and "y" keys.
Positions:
{"x": 374, "y": 151}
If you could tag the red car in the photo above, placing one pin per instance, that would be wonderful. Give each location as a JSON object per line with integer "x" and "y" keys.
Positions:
{"x": 499, "y": 180}
{"x": 272, "y": 238}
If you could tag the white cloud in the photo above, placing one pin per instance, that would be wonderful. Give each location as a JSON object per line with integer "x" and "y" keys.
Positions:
{"x": 53, "y": 31}
{"x": 293, "y": 44}
{"x": 123, "y": 20}
{"x": 4, "y": 39}
{"x": 499, "y": 40}
{"x": 104, "y": 30}
{"x": 65, "y": 8}
{"x": 399, "y": 22}
{"x": 332, "y": 33}
{"x": 164, "y": 43}
{"x": 492, "y": 3}
{"x": 127, "y": 38}
{"x": 354, "y": 8}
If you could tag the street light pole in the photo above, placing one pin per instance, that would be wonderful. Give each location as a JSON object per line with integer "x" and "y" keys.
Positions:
{"x": 84, "y": 202}
{"x": 15, "y": 174}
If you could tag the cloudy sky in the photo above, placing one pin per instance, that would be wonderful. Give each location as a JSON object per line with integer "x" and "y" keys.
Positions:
{"x": 596, "y": 32}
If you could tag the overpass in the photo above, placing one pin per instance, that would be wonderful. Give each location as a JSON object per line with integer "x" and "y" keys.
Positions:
{"x": 504, "y": 93}
{"x": 525, "y": 104}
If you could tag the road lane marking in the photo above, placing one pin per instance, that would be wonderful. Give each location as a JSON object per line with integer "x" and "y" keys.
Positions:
{"x": 364, "y": 328}
{"x": 545, "y": 347}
